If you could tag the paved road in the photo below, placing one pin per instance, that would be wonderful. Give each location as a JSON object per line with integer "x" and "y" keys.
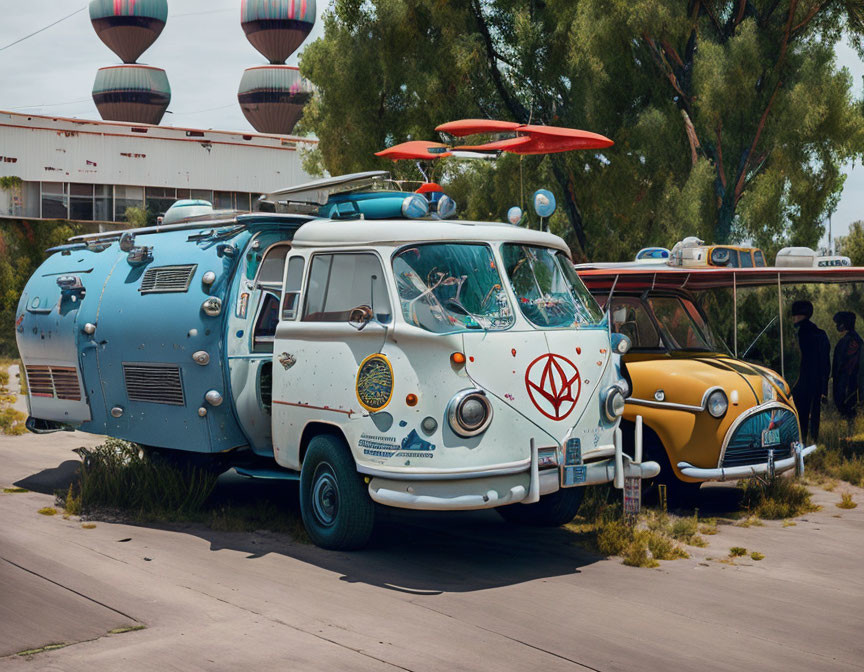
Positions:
{"x": 436, "y": 592}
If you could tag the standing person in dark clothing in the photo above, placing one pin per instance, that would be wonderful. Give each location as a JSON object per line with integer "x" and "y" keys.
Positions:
{"x": 812, "y": 385}
{"x": 846, "y": 365}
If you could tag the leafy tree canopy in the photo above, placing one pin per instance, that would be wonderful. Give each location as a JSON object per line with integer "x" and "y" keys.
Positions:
{"x": 731, "y": 118}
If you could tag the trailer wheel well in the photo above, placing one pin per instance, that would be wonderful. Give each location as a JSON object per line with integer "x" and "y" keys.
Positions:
{"x": 314, "y": 429}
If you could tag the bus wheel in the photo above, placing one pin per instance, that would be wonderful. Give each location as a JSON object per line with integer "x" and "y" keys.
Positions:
{"x": 337, "y": 511}
{"x": 553, "y": 510}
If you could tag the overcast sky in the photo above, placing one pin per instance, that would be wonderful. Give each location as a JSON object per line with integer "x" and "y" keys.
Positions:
{"x": 204, "y": 51}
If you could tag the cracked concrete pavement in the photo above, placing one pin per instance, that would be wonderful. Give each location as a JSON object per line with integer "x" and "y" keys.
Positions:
{"x": 434, "y": 592}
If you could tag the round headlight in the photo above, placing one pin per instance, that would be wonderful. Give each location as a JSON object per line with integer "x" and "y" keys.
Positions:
{"x": 620, "y": 344}
{"x": 613, "y": 405}
{"x": 769, "y": 393}
{"x": 469, "y": 413}
{"x": 717, "y": 403}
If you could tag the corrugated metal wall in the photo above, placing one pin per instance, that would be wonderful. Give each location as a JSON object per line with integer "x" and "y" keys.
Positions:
{"x": 64, "y": 150}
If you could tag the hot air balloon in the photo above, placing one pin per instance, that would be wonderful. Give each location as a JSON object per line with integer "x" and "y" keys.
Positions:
{"x": 136, "y": 93}
{"x": 277, "y": 28}
{"x": 272, "y": 97}
{"x": 128, "y": 27}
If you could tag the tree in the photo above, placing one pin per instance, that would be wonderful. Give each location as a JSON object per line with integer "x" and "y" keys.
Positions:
{"x": 852, "y": 244}
{"x": 730, "y": 117}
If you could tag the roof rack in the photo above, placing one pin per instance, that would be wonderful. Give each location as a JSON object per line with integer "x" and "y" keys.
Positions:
{"x": 311, "y": 195}
{"x": 216, "y": 219}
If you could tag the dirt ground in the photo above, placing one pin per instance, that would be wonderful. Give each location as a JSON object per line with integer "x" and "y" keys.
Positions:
{"x": 434, "y": 592}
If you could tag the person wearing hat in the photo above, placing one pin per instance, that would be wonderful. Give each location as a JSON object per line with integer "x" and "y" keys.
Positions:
{"x": 846, "y": 365}
{"x": 812, "y": 385}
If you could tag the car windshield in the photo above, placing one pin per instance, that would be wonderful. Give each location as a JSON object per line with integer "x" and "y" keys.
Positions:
{"x": 683, "y": 325}
{"x": 549, "y": 292}
{"x": 451, "y": 287}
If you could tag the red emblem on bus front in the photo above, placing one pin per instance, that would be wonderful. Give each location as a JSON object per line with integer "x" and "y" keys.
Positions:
{"x": 554, "y": 384}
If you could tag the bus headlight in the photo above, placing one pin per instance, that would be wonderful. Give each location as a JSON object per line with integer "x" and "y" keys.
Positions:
{"x": 469, "y": 412}
{"x": 717, "y": 403}
{"x": 613, "y": 404}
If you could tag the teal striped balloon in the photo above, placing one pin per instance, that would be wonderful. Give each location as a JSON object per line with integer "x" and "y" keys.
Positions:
{"x": 136, "y": 93}
{"x": 128, "y": 27}
{"x": 277, "y": 27}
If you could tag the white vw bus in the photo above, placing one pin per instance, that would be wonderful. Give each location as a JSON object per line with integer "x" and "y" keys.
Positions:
{"x": 442, "y": 365}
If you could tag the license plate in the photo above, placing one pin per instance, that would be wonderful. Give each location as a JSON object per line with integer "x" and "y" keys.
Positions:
{"x": 770, "y": 437}
{"x": 573, "y": 452}
{"x": 573, "y": 476}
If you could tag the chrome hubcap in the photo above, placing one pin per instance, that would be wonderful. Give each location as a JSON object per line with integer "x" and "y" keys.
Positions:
{"x": 325, "y": 495}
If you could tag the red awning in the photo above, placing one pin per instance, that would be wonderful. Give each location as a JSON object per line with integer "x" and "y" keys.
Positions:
{"x": 600, "y": 278}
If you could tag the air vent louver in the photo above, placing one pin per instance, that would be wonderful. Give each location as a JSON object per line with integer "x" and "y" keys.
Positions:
{"x": 154, "y": 383}
{"x": 58, "y": 382}
{"x": 163, "y": 279}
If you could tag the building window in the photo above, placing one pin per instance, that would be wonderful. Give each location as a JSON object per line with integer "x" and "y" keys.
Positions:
{"x": 55, "y": 200}
{"x": 127, "y": 197}
{"x": 241, "y": 201}
{"x": 223, "y": 200}
{"x": 103, "y": 203}
{"x": 182, "y": 193}
{"x": 159, "y": 199}
{"x": 202, "y": 195}
{"x": 81, "y": 202}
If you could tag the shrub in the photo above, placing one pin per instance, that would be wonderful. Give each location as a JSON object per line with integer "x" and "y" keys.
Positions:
{"x": 846, "y": 501}
{"x": 117, "y": 475}
{"x": 757, "y": 556}
{"x": 737, "y": 552}
{"x": 775, "y": 498}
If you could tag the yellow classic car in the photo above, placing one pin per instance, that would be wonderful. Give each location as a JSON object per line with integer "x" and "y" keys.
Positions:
{"x": 707, "y": 415}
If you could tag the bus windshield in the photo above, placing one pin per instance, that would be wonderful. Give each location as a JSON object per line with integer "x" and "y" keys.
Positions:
{"x": 451, "y": 287}
{"x": 549, "y": 292}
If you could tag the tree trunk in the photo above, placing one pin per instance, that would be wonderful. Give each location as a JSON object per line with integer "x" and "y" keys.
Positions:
{"x": 725, "y": 215}
{"x": 562, "y": 176}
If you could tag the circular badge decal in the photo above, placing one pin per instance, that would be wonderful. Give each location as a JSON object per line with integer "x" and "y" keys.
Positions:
{"x": 375, "y": 382}
{"x": 553, "y": 384}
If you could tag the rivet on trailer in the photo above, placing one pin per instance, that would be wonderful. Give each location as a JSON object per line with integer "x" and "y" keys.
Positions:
{"x": 356, "y": 342}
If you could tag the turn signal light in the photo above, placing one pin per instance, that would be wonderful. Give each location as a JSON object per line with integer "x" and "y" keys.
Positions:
{"x": 457, "y": 358}
{"x": 411, "y": 399}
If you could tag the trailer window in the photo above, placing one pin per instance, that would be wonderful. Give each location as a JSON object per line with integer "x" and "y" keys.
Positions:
{"x": 293, "y": 283}
{"x": 273, "y": 266}
{"x": 340, "y": 283}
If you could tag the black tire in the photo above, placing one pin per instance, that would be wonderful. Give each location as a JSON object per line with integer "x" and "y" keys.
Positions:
{"x": 553, "y": 510}
{"x": 679, "y": 494}
{"x": 335, "y": 505}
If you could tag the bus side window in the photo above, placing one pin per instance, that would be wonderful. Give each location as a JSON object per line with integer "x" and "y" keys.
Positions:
{"x": 293, "y": 284}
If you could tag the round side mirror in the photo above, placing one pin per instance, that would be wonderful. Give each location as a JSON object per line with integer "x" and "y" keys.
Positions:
{"x": 360, "y": 317}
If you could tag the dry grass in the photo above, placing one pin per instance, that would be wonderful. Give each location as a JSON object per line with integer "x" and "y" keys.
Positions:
{"x": 737, "y": 552}
{"x": 841, "y": 450}
{"x": 775, "y": 498}
{"x": 846, "y": 501}
{"x": 47, "y": 511}
{"x": 88, "y": 526}
{"x": 14, "y": 491}
{"x": 117, "y": 478}
{"x": 11, "y": 420}
{"x": 653, "y": 537}
{"x": 757, "y": 556}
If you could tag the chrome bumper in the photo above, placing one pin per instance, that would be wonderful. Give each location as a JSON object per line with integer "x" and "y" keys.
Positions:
{"x": 460, "y": 493}
{"x": 732, "y": 473}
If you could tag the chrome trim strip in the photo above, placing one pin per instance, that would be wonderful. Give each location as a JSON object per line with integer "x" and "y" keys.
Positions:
{"x": 664, "y": 404}
{"x": 721, "y": 474}
{"x": 446, "y": 474}
{"x": 746, "y": 414}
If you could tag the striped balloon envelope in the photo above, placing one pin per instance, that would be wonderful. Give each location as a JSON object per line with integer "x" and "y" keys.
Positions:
{"x": 272, "y": 97}
{"x": 136, "y": 93}
{"x": 277, "y": 27}
{"x": 128, "y": 27}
